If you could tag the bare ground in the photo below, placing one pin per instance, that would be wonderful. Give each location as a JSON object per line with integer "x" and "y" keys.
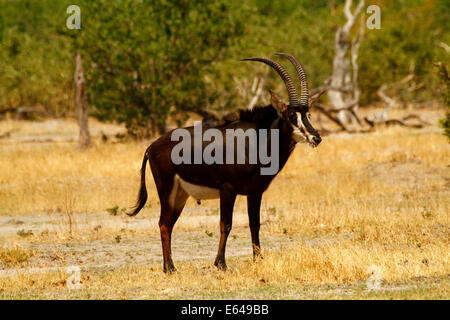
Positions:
{"x": 125, "y": 248}
{"x": 103, "y": 243}
{"x": 130, "y": 245}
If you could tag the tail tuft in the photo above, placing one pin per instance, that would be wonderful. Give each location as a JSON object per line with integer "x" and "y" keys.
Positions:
{"x": 142, "y": 197}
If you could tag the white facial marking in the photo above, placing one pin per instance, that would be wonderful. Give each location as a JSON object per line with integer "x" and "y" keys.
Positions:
{"x": 300, "y": 133}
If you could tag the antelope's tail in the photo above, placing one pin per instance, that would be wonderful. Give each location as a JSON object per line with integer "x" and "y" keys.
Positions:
{"x": 142, "y": 197}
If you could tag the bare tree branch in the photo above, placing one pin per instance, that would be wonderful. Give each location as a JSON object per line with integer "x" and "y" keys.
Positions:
{"x": 257, "y": 89}
{"x": 330, "y": 116}
{"x": 351, "y": 17}
{"x": 381, "y": 118}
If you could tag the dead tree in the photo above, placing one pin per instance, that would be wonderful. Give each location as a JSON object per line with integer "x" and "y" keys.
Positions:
{"x": 342, "y": 86}
{"x": 343, "y": 92}
{"x": 257, "y": 91}
{"x": 381, "y": 118}
{"x": 84, "y": 140}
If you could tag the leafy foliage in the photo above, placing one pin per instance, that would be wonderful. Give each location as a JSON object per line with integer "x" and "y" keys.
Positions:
{"x": 146, "y": 61}
{"x": 444, "y": 75}
{"x": 150, "y": 59}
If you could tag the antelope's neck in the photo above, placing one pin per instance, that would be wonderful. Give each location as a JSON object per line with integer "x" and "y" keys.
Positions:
{"x": 286, "y": 143}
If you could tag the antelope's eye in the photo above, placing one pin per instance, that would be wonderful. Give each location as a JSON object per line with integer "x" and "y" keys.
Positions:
{"x": 292, "y": 116}
{"x": 309, "y": 116}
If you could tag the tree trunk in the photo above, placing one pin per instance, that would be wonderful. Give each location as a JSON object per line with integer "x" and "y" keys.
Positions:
{"x": 84, "y": 139}
{"x": 344, "y": 92}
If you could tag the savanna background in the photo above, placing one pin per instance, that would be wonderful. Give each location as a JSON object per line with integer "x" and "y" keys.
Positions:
{"x": 363, "y": 216}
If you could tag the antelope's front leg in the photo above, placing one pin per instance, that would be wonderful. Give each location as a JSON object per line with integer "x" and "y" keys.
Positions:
{"x": 227, "y": 199}
{"x": 253, "y": 208}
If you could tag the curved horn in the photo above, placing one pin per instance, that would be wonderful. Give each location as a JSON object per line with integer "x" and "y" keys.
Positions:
{"x": 293, "y": 99}
{"x": 304, "y": 93}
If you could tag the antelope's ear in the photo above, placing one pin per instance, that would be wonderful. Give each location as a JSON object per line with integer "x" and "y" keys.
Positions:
{"x": 277, "y": 103}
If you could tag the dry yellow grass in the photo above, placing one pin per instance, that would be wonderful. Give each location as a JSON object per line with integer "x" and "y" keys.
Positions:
{"x": 332, "y": 272}
{"x": 377, "y": 199}
{"x": 14, "y": 256}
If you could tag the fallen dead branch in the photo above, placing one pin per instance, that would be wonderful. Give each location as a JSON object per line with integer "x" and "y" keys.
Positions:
{"x": 401, "y": 122}
{"x": 7, "y": 134}
{"x": 24, "y": 113}
{"x": 381, "y": 118}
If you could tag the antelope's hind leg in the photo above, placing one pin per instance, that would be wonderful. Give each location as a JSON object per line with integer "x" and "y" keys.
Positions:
{"x": 227, "y": 199}
{"x": 171, "y": 209}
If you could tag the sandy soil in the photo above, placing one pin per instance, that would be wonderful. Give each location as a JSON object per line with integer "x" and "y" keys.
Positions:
{"x": 129, "y": 249}
{"x": 140, "y": 244}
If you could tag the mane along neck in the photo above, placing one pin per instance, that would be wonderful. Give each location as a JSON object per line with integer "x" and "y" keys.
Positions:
{"x": 263, "y": 117}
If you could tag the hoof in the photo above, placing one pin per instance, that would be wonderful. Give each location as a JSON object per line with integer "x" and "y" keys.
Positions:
{"x": 257, "y": 257}
{"x": 221, "y": 265}
{"x": 170, "y": 269}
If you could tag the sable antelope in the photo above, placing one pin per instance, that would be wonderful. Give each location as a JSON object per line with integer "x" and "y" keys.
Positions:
{"x": 176, "y": 182}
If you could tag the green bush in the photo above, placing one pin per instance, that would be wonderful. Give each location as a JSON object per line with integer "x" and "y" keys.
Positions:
{"x": 444, "y": 76}
{"x": 145, "y": 61}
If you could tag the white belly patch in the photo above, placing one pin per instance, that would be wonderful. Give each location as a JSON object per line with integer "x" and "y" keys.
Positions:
{"x": 196, "y": 191}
